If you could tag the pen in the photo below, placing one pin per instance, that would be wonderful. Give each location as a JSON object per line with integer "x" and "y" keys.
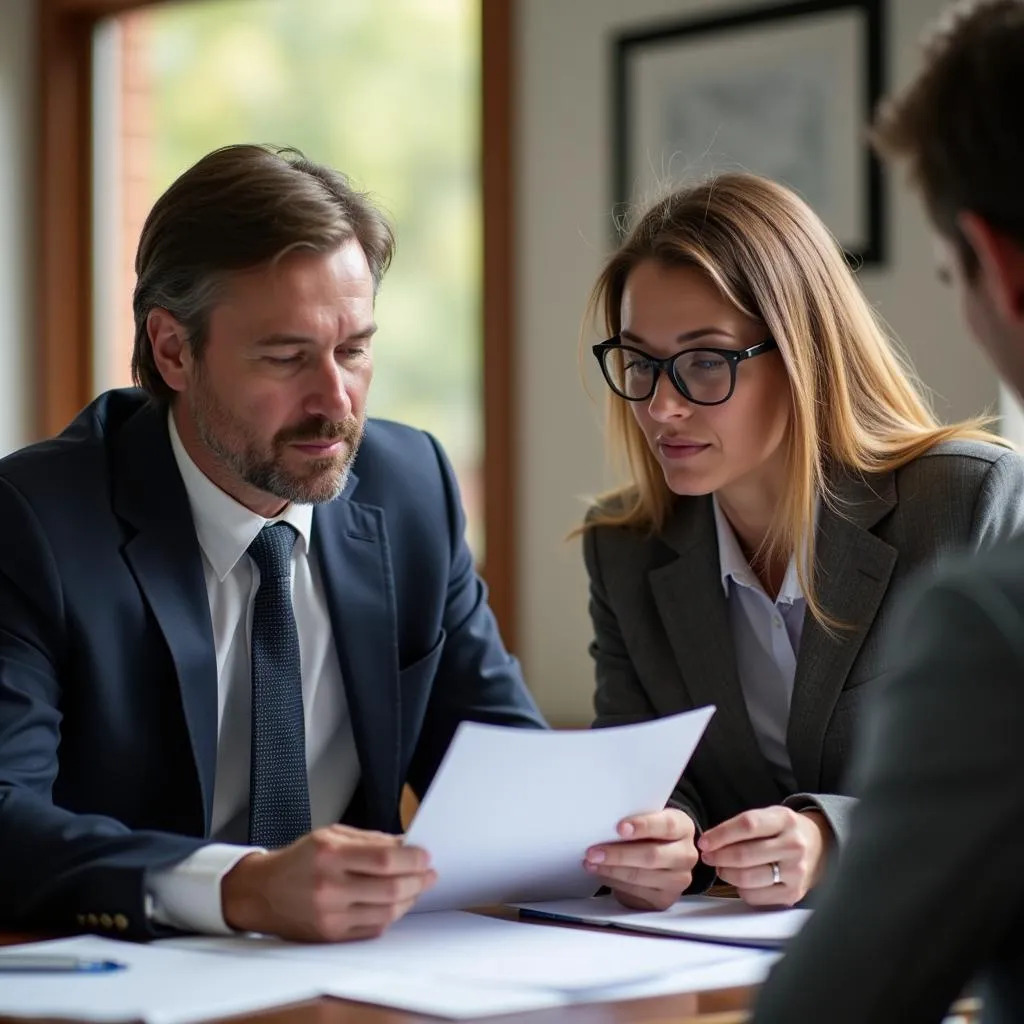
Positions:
{"x": 18, "y": 962}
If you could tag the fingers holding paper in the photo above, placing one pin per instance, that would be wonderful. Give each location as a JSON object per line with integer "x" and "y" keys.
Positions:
{"x": 773, "y": 855}
{"x": 652, "y": 865}
{"x": 335, "y": 884}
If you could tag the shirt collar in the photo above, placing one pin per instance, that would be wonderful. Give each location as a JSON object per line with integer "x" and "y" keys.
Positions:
{"x": 224, "y": 527}
{"x": 734, "y": 566}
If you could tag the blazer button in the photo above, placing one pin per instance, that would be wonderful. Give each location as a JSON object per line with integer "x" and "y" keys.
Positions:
{"x": 80, "y": 918}
{"x": 92, "y": 920}
{"x": 120, "y": 922}
{"x": 106, "y": 921}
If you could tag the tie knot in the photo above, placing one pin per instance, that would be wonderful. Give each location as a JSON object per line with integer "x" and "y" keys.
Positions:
{"x": 272, "y": 550}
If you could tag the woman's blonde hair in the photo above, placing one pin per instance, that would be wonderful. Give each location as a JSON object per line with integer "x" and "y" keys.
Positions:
{"x": 856, "y": 403}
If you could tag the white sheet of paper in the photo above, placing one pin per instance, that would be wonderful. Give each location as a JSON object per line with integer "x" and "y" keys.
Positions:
{"x": 452, "y": 965}
{"x": 703, "y": 918}
{"x": 468, "y": 949}
{"x": 751, "y": 967}
{"x": 159, "y": 986}
{"x": 511, "y": 812}
{"x": 440, "y": 997}
{"x": 444, "y": 998}
{"x": 167, "y": 985}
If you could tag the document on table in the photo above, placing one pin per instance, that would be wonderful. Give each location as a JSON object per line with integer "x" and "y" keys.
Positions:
{"x": 702, "y": 918}
{"x": 453, "y": 965}
{"x": 443, "y": 998}
{"x": 475, "y": 950}
{"x": 165, "y": 985}
{"x": 456, "y": 964}
{"x": 511, "y": 812}
{"x": 159, "y": 986}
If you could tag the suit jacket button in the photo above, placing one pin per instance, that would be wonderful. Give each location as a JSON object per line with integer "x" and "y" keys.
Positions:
{"x": 80, "y": 918}
{"x": 106, "y": 921}
{"x": 92, "y": 920}
{"x": 120, "y": 922}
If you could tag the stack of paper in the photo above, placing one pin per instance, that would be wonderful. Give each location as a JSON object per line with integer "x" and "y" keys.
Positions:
{"x": 159, "y": 986}
{"x": 481, "y": 950}
{"x": 706, "y": 918}
{"x": 453, "y": 965}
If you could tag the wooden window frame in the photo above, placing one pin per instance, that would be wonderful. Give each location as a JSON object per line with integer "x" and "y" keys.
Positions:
{"x": 65, "y": 271}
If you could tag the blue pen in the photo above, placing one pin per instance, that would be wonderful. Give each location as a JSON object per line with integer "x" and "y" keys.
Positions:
{"x": 16, "y": 963}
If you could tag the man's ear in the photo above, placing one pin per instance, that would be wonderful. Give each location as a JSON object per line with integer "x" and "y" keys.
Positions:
{"x": 171, "y": 350}
{"x": 1000, "y": 263}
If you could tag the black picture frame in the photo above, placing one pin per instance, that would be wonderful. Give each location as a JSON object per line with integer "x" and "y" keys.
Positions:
{"x": 866, "y": 246}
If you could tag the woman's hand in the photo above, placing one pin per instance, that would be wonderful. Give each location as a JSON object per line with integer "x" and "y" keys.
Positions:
{"x": 652, "y": 865}
{"x": 773, "y": 855}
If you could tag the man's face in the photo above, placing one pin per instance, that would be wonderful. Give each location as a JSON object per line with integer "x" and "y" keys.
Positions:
{"x": 276, "y": 403}
{"x": 994, "y": 325}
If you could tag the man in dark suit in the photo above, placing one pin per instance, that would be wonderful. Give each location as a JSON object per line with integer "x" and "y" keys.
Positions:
{"x": 234, "y": 611}
{"x": 929, "y": 891}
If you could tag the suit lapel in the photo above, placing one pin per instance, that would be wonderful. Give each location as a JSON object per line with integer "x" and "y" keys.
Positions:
{"x": 692, "y": 605}
{"x": 165, "y": 559}
{"x": 852, "y": 572}
{"x": 351, "y": 542}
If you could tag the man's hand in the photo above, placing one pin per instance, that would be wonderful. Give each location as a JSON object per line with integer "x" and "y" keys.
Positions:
{"x": 652, "y": 866}
{"x": 743, "y": 849}
{"x": 334, "y": 884}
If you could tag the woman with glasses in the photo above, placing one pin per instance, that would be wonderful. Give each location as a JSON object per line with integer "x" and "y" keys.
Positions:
{"x": 787, "y": 477}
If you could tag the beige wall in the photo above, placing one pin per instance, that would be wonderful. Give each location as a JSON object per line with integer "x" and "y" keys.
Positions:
{"x": 17, "y": 150}
{"x": 563, "y": 206}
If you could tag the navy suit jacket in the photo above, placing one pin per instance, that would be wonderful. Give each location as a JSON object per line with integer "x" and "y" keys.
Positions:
{"x": 108, "y": 679}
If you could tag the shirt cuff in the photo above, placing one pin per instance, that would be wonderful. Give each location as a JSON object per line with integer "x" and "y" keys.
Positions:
{"x": 187, "y": 896}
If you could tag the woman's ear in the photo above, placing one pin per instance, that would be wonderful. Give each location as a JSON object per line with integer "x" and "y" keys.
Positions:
{"x": 1000, "y": 265}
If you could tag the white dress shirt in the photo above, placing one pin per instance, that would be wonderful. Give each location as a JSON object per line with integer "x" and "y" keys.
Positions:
{"x": 766, "y": 636}
{"x": 188, "y": 894}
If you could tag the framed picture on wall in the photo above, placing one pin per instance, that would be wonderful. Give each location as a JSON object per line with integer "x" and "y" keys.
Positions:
{"x": 786, "y": 91}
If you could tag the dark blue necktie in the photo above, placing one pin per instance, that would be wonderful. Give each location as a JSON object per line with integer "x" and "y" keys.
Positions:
{"x": 278, "y": 786}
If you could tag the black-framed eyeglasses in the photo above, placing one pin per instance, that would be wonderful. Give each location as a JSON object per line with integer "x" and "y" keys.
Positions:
{"x": 704, "y": 376}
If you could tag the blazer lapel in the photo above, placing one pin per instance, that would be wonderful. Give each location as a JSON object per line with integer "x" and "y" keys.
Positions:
{"x": 852, "y": 571}
{"x": 165, "y": 559}
{"x": 351, "y": 541}
{"x": 692, "y": 605}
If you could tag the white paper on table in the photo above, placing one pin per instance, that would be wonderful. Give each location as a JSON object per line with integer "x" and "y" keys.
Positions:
{"x": 443, "y": 998}
{"x": 469, "y": 949}
{"x": 702, "y": 918}
{"x": 749, "y": 968}
{"x": 440, "y": 997}
{"x": 159, "y": 986}
{"x": 511, "y": 812}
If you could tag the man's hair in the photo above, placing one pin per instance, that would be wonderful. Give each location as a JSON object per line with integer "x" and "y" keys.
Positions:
{"x": 240, "y": 207}
{"x": 958, "y": 124}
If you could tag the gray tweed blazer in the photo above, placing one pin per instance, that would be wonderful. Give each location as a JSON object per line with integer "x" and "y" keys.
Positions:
{"x": 662, "y": 641}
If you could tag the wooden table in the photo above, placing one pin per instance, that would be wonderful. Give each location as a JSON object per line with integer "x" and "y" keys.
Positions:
{"x": 727, "y": 1006}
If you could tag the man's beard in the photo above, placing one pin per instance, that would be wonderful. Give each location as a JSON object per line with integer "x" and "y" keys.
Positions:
{"x": 262, "y": 465}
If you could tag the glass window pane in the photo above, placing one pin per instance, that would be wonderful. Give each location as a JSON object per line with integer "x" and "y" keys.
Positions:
{"x": 386, "y": 91}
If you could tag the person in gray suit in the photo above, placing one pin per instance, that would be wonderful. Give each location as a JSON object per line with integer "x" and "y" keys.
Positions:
{"x": 929, "y": 891}
{"x": 787, "y": 479}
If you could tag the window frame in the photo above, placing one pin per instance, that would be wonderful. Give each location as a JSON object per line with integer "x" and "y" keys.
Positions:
{"x": 64, "y": 362}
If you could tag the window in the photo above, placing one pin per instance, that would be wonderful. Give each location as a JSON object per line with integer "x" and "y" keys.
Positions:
{"x": 67, "y": 243}
{"x": 387, "y": 91}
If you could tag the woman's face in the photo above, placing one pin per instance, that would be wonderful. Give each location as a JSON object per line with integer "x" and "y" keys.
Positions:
{"x": 703, "y": 449}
